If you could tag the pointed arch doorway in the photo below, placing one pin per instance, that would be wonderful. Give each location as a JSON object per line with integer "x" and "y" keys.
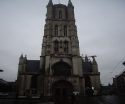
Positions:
{"x": 61, "y": 90}
{"x": 88, "y": 82}
{"x": 88, "y": 86}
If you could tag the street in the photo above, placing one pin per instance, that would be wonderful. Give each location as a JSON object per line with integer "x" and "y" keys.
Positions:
{"x": 81, "y": 100}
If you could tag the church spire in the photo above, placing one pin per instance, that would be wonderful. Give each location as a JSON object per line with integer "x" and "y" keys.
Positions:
{"x": 50, "y": 3}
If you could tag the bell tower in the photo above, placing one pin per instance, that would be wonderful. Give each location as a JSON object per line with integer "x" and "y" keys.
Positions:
{"x": 60, "y": 57}
{"x": 60, "y": 31}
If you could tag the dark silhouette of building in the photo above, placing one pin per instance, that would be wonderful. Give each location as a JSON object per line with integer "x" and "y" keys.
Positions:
{"x": 61, "y": 70}
{"x": 7, "y": 88}
{"x": 119, "y": 83}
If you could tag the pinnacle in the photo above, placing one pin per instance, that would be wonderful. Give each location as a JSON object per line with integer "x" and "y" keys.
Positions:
{"x": 70, "y": 3}
{"x": 50, "y": 3}
{"x": 21, "y": 56}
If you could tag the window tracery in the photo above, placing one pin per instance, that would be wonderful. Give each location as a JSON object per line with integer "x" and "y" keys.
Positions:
{"x": 60, "y": 14}
{"x": 65, "y": 30}
{"x": 56, "y": 46}
{"x": 66, "y": 46}
{"x": 56, "y": 30}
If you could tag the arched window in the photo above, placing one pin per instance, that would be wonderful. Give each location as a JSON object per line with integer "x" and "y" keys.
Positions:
{"x": 65, "y": 30}
{"x": 66, "y": 46}
{"x": 61, "y": 44}
{"x": 56, "y": 46}
{"x": 61, "y": 69}
{"x": 60, "y": 14}
{"x": 56, "y": 30}
{"x": 34, "y": 82}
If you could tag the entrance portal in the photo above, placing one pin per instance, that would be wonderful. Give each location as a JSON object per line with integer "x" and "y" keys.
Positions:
{"x": 88, "y": 86}
{"x": 61, "y": 91}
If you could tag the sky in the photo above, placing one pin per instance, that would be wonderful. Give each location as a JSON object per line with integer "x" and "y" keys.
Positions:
{"x": 100, "y": 26}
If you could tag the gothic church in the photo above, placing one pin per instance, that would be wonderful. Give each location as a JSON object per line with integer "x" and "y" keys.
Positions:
{"x": 61, "y": 70}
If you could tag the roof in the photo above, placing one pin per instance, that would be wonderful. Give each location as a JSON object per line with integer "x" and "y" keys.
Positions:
{"x": 3, "y": 82}
{"x": 33, "y": 65}
{"x": 120, "y": 75}
{"x": 59, "y": 5}
{"x": 87, "y": 66}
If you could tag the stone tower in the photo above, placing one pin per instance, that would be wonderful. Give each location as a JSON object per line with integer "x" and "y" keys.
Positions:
{"x": 60, "y": 62}
{"x": 61, "y": 70}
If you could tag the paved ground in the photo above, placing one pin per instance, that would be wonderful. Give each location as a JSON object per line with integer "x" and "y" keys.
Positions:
{"x": 85, "y": 100}
{"x": 103, "y": 100}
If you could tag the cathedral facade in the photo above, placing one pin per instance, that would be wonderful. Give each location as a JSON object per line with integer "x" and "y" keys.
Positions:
{"x": 61, "y": 70}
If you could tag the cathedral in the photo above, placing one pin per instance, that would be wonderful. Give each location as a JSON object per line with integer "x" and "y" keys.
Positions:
{"x": 61, "y": 70}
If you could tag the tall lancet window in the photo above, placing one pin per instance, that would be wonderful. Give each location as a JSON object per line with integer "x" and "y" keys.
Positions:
{"x": 56, "y": 46}
{"x": 56, "y": 30}
{"x": 34, "y": 82}
{"x": 61, "y": 44}
{"x": 65, "y": 30}
{"x": 60, "y": 14}
{"x": 66, "y": 46}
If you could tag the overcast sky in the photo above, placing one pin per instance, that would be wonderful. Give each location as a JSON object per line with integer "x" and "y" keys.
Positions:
{"x": 101, "y": 32}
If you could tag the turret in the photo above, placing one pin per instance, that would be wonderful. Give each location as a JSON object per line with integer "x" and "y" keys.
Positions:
{"x": 94, "y": 65}
{"x": 70, "y": 4}
{"x": 21, "y": 59}
{"x": 49, "y": 14}
{"x": 50, "y": 3}
{"x": 86, "y": 59}
{"x": 70, "y": 10}
{"x": 25, "y": 59}
{"x": 87, "y": 65}
{"x": 22, "y": 64}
